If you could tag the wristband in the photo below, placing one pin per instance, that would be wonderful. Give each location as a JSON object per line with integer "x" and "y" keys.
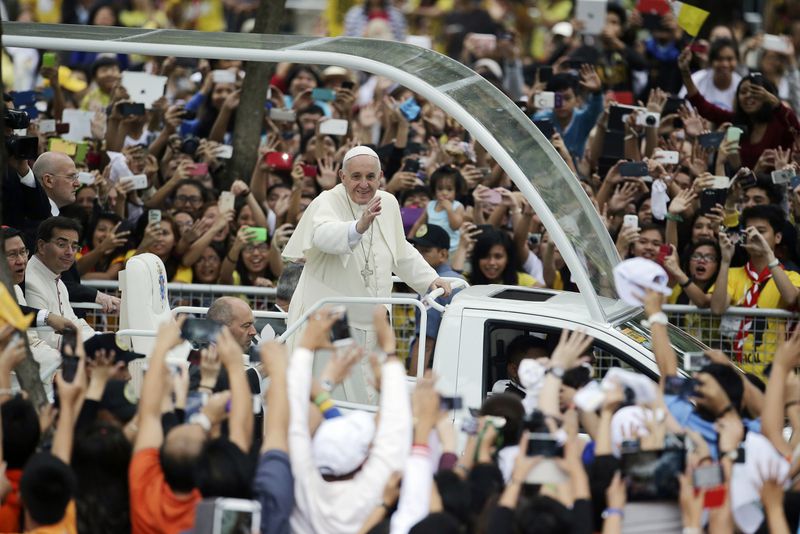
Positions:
{"x": 557, "y": 372}
{"x": 322, "y": 397}
{"x": 671, "y": 217}
{"x": 229, "y": 259}
{"x": 774, "y": 263}
{"x": 325, "y": 405}
{"x": 656, "y": 318}
{"x": 686, "y": 284}
{"x": 327, "y": 385}
{"x": 608, "y": 512}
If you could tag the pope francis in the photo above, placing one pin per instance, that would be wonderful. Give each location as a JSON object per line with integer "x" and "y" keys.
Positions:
{"x": 351, "y": 239}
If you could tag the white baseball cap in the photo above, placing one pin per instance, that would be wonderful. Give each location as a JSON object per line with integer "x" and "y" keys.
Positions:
{"x": 633, "y": 277}
{"x": 342, "y": 444}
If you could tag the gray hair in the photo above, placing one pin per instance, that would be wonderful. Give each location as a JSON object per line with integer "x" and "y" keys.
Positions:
{"x": 288, "y": 280}
{"x": 221, "y": 311}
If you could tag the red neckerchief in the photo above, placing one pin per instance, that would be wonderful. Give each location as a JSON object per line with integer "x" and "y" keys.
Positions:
{"x": 750, "y": 301}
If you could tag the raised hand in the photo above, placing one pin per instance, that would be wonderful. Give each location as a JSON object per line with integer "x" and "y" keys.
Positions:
{"x": 571, "y": 346}
{"x": 371, "y": 212}
{"x": 589, "y": 79}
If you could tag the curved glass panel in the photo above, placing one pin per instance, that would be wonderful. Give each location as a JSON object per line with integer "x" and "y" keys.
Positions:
{"x": 499, "y": 125}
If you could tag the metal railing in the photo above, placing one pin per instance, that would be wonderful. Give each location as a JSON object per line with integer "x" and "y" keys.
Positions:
{"x": 718, "y": 332}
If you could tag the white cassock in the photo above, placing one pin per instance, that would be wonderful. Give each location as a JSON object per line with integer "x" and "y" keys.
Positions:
{"x": 48, "y": 358}
{"x": 334, "y": 268}
{"x": 45, "y": 290}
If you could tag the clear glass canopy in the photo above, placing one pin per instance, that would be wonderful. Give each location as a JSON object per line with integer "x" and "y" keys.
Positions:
{"x": 494, "y": 120}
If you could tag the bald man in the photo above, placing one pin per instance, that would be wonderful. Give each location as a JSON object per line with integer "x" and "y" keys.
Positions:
{"x": 59, "y": 178}
{"x": 236, "y": 314}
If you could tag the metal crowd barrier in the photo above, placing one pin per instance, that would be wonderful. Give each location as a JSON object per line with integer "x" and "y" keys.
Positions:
{"x": 700, "y": 323}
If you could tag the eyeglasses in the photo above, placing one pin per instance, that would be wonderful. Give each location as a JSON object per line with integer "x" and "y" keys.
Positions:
{"x": 189, "y": 200}
{"x": 21, "y": 254}
{"x": 261, "y": 247}
{"x": 64, "y": 244}
{"x": 210, "y": 259}
{"x": 703, "y": 257}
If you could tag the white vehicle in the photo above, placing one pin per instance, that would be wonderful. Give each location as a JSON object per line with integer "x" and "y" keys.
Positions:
{"x": 482, "y": 320}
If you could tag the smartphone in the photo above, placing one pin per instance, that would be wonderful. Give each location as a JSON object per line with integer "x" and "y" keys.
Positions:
{"x": 708, "y": 476}
{"x": 347, "y": 84}
{"x": 282, "y": 115}
{"x": 672, "y": 105}
{"x": 667, "y": 157}
{"x": 131, "y": 108}
{"x": 663, "y": 252}
{"x": 333, "y": 127}
{"x": 734, "y": 133}
{"x": 69, "y": 366}
{"x": 139, "y": 181}
{"x": 492, "y": 197}
{"x": 544, "y": 445}
{"x": 411, "y": 165}
{"x": 86, "y": 178}
{"x": 711, "y": 140}
{"x": 223, "y": 151}
{"x": 309, "y": 171}
{"x": 281, "y": 161}
{"x": 470, "y": 425}
{"x": 633, "y": 169}
{"x": 47, "y": 126}
{"x": 783, "y": 176}
{"x": 694, "y": 361}
{"x": 679, "y": 386}
{"x": 545, "y": 73}
{"x": 709, "y": 198}
{"x": 323, "y": 95}
{"x": 199, "y": 169}
{"x": 795, "y": 182}
{"x": 546, "y": 127}
{"x": 49, "y": 59}
{"x": 534, "y": 239}
{"x": 450, "y": 403}
{"x": 62, "y": 128}
{"x": 699, "y": 48}
{"x": 154, "y": 216}
{"x": 544, "y": 100}
{"x": 188, "y": 115}
{"x": 630, "y": 220}
{"x": 258, "y": 234}
{"x": 223, "y": 76}
{"x": 227, "y": 516}
{"x": 23, "y": 98}
{"x": 653, "y": 475}
{"x": 200, "y": 332}
{"x": 774, "y": 43}
{"x": 56, "y": 144}
{"x": 721, "y": 182}
{"x": 340, "y": 331}
{"x": 410, "y": 109}
{"x": 747, "y": 181}
{"x": 226, "y": 201}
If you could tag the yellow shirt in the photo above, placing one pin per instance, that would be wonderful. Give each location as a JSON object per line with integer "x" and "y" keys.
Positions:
{"x": 525, "y": 280}
{"x": 761, "y": 341}
{"x": 67, "y": 525}
{"x": 44, "y": 11}
{"x": 95, "y": 99}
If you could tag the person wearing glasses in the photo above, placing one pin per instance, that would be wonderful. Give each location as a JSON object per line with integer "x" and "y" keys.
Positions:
{"x": 57, "y": 241}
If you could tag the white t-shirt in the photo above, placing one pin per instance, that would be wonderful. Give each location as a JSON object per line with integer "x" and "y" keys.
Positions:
{"x": 722, "y": 98}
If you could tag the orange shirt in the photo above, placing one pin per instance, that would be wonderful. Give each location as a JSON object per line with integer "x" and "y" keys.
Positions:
{"x": 68, "y": 525}
{"x": 11, "y": 510}
{"x": 155, "y": 509}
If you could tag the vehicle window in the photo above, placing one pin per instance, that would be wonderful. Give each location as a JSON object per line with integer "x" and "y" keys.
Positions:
{"x": 681, "y": 341}
{"x": 499, "y": 335}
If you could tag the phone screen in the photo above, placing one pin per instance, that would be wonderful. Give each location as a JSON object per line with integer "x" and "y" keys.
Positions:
{"x": 69, "y": 367}
{"x": 653, "y": 475}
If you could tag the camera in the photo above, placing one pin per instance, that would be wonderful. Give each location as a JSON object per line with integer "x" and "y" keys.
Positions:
{"x": 649, "y": 119}
{"x": 16, "y": 119}
{"x": 190, "y": 145}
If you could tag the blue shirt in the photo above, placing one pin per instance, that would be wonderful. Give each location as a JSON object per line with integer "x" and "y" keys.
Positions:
{"x": 683, "y": 412}
{"x": 435, "y": 317}
{"x": 577, "y": 131}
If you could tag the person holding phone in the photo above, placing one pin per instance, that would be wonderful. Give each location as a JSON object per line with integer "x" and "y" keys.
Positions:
{"x": 770, "y": 123}
{"x": 718, "y": 82}
{"x": 351, "y": 238}
{"x": 761, "y": 283}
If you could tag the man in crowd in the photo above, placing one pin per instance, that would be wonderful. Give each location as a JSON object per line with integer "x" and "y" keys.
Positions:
{"x": 761, "y": 283}
{"x": 433, "y": 244}
{"x": 56, "y": 245}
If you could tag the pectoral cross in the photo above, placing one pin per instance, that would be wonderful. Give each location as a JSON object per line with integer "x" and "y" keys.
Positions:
{"x": 366, "y": 272}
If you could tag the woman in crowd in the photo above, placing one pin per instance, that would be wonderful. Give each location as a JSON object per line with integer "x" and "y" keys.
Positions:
{"x": 102, "y": 256}
{"x": 718, "y": 82}
{"x": 769, "y": 123}
{"x": 251, "y": 262}
{"x": 160, "y": 239}
{"x": 494, "y": 261}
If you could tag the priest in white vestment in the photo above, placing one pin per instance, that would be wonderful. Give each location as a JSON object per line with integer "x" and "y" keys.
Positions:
{"x": 351, "y": 239}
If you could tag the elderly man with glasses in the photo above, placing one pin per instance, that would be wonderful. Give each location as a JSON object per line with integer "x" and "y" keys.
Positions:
{"x": 56, "y": 245}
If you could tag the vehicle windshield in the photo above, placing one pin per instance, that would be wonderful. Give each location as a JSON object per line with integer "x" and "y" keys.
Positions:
{"x": 681, "y": 341}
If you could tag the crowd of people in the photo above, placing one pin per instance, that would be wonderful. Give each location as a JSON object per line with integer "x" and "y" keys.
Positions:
{"x": 687, "y": 146}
